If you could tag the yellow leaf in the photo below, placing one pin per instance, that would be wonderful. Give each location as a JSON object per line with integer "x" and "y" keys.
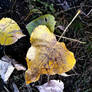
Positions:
{"x": 10, "y": 32}
{"x": 47, "y": 55}
{"x": 41, "y": 34}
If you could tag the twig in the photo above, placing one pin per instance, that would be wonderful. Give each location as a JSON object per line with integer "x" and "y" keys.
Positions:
{"x": 79, "y": 11}
{"x": 73, "y": 8}
{"x": 89, "y": 12}
{"x": 29, "y": 14}
{"x": 75, "y": 40}
{"x": 6, "y": 89}
{"x": 13, "y": 4}
{"x": 88, "y": 32}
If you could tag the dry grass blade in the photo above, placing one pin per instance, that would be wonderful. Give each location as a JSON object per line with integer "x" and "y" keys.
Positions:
{"x": 79, "y": 11}
{"x": 75, "y": 40}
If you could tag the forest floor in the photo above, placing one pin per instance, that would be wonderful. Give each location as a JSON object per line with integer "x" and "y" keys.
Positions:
{"x": 24, "y": 11}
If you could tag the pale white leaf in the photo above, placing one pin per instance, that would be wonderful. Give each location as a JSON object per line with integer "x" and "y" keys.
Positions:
{"x": 19, "y": 67}
{"x": 52, "y": 86}
{"x": 6, "y": 69}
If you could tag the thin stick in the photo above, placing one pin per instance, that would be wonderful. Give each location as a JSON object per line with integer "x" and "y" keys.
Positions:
{"x": 6, "y": 89}
{"x": 79, "y": 11}
{"x": 89, "y": 12}
{"x": 75, "y": 40}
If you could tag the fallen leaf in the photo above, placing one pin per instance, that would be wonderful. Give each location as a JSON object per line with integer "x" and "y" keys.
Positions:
{"x": 52, "y": 86}
{"x": 7, "y": 66}
{"x": 47, "y": 20}
{"x": 10, "y": 32}
{"x": 47, "y": 55}
{"x": 6, "y": 69}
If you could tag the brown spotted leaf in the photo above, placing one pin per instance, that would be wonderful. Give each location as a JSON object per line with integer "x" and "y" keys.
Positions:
{"x": 47, "y": 55}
